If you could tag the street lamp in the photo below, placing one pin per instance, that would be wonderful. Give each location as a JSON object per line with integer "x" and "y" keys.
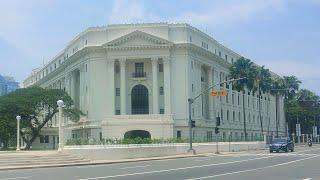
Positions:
{"x": 60, "y": 104}
{"x": 18, "y": 132}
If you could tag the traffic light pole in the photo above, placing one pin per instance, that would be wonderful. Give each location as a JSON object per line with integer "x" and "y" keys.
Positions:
{"x": 190, "y": 101}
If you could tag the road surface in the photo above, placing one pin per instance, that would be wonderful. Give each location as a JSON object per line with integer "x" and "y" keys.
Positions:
{"x": 303, "y": 164}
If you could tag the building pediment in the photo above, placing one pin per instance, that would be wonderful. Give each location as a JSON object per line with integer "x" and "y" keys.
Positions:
{"x": 138, "y": 39}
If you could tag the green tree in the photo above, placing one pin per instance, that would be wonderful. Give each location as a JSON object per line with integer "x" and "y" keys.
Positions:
{"x": 36, "y": 106}
{"x": 242, "y": 68}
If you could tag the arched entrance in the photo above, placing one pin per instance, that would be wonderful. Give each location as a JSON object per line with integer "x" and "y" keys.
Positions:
{"x": 137, "y": 133}
{"x": 139, "y": 100}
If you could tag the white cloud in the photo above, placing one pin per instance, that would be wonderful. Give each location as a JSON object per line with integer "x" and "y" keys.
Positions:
{"x": 125, "y": 11}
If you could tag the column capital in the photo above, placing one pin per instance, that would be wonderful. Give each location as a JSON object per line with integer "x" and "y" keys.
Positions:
{"x": 154, "y": 60}
{"x": 166, "y": 60}
{"x": 122, "y": 61}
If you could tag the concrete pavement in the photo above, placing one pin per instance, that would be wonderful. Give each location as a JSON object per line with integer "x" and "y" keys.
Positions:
{"x": 302, "y": 164}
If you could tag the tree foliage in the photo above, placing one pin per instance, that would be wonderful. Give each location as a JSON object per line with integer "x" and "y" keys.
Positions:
{"x": 36, "y": 106}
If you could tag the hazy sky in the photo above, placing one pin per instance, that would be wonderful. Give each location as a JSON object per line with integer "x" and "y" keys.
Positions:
{"x": 283, "y": 35}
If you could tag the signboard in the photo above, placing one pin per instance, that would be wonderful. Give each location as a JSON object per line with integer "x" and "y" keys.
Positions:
{"x": 219, "y": 93}
{"x": 298, "y": 130}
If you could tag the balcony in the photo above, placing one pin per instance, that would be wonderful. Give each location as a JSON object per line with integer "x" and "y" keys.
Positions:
{"x": 139, "y": 75}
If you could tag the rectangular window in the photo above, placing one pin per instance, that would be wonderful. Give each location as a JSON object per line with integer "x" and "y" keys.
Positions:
{"x": 232, "y": 60}
{"x": 233, "y": 116}
{"x": 117, "y": 91}
{"x": 192, "y": 87}
{"x": 86, "y": 42}
{"x": 161, "y": 111}
{"x": 100, "y": 136}
{"x": 138, "y": 67}
{"x": 232, "y": 98}
{"x": 220, "y": 53}
{"x": 178, "y": 134}
{"x": 190, "y": 38}
{"x": 86, "y": 67}
{"x": 160, "y": 67}
{"x": 55, "y": 65}
{"x": 226, "y": 56}
{"x": 117, "y": 69}
{"x": 202, "y": 79}
{"x": 117, "y": 112}
{"x": 221, "y": 114}
{"x": 41, "y": 139}
{"x": 46, "y": 139}
{"x": 59, "y": 61}
{"x": 209, "y": 136}
{"x": 161, "y": 91}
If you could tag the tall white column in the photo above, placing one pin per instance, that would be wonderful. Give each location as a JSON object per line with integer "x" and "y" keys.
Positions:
{"x": 167, "y": 85}
{"x": 111, "y": 89}
{"x": 155, "y": 86}
{"x": 123, "y": 97}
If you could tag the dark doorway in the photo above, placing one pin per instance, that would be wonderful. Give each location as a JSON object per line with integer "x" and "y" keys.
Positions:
{"x": 139, "y": 100}
{"x": 137, "y": 133}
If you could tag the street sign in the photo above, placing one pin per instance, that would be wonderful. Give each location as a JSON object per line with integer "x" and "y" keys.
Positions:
{"x": 219, "y": 93}
{"x": 213, "y": 93}
{"x": 298, "y": 130}
{"x": 223, "y": 93}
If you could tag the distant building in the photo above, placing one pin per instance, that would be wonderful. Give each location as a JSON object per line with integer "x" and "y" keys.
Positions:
{"x": 7, "y": 85}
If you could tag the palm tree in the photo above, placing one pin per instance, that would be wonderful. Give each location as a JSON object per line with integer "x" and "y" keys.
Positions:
{"x": 262, "y": 84}
{"x": 242, "y": 68}
{"x": 287, "y": 88}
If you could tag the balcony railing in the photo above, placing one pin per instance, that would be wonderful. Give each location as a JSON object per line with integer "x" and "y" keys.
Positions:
{"x": 139, "y": 74}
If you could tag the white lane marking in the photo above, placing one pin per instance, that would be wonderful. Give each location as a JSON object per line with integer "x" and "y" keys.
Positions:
{"x": 307, "y": 179}
{"x": 130, "y": 167}
{"x": 176, "y": 169}
{"x": 25, "y": 177}
{"x": 255, "y": 169}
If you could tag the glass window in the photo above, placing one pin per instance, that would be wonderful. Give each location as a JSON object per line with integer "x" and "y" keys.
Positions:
{"x": 160, "y": 67}
{"x": 117, "y": 112}
{"x": 117, "y": 91}
{"x": 178, "y": 134}
{"x": 161, "y": 111}
{"x": 139, "y": 67}
{"x": 161, "y": 91}
{"x": 117, "y": 69}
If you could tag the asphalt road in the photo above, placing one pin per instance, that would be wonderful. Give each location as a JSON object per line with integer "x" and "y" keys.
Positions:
{"x": 303, "y": 164}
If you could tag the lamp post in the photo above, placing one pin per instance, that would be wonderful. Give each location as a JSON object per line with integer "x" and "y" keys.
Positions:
{"x": 18, "y": 132}
{"x": 60, "y": 105}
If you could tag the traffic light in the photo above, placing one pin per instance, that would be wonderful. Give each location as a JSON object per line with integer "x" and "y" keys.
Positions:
{"x": 193, "y": 123}
{"x": 218, "y": 121}
{"x": 216, "y": 130}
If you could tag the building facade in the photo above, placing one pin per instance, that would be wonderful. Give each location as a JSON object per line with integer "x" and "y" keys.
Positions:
{"x": 7, "y": 85}
{"x": 133, "y": 79}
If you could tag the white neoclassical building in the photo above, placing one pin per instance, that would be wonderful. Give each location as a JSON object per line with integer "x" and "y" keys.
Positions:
{"x": 131, "y": 77}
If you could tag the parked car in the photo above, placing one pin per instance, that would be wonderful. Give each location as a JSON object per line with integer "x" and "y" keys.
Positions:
{"x": 281, "y": 144}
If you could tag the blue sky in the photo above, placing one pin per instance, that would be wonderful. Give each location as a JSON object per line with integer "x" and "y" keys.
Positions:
{"x": 283, "y": 35}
